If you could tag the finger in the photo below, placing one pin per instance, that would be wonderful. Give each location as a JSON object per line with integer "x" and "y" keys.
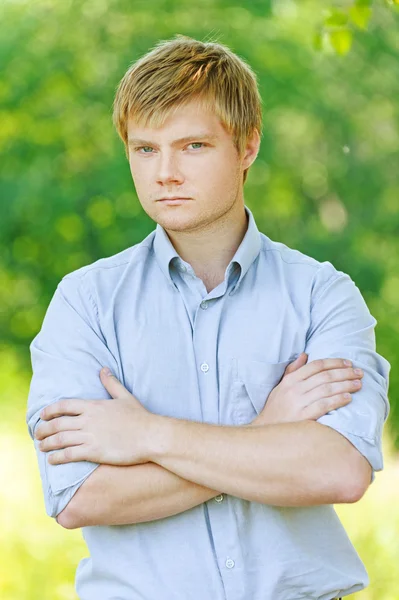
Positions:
{"x": 55, "y": 425}
{"x": 331, "y": 389}
{"x": 115, "y": 388}
{"x": 325, "y": 405}
{"x": 317, "y": 366}
{"x": 63, "y": 407}
{"x": 70, "y": 454}
{"x": 297, "y": 363}
{"x": 331, "y": 376}
{"x": 63, "y": 439}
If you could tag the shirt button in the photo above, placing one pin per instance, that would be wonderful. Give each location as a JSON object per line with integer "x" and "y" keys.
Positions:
{"x": 230, "y": 563}
{"x": 219, "y": 498}
{"x": 204, "y": 304}
{"x": 204, "y": 367}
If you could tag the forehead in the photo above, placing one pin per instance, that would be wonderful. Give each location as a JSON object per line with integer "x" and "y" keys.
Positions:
{"x": 187, "y": 121}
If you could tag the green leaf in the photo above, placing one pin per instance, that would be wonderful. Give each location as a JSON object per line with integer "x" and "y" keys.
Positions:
{"x": 360, "y": 16}
{"x": 341, "y": 40}
{"x": 338, "y": 18}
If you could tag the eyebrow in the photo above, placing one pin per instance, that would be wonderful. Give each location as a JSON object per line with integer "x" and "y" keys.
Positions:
{"x": 186, "y": 138}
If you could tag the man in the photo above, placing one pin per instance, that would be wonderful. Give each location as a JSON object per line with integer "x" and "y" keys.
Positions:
{"x": 188, "y": 484}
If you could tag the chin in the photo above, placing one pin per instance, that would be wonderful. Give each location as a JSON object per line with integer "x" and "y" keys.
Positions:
{"x": 177, "y": 222}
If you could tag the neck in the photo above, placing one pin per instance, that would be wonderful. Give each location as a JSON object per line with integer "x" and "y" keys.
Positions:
{"x": 210, "y": 249}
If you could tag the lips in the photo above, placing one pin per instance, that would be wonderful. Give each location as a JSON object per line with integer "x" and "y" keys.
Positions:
{"x": 175, "y": 201}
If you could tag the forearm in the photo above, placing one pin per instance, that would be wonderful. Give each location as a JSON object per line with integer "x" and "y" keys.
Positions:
{"x": 120, "y": 495}
{"x": 288, "y": 464}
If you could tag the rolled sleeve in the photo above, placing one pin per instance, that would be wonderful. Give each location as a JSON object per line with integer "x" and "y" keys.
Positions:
{"x": 342, "y": 327}
{"x": 67, "y": 355}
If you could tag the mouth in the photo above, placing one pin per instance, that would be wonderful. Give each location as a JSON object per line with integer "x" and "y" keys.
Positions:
{"x": 173, "y": 200}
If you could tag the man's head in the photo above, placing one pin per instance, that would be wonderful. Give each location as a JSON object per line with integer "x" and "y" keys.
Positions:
{"x": 185, "y": 88}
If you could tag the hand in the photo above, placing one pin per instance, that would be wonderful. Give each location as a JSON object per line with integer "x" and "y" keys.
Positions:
{"x": 113, "y": 432}
{"x": 309, "y": 391}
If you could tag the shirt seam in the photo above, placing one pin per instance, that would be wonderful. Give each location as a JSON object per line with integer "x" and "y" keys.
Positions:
{"x": 90, "y": 268}
{"x": 93, "y": 303}
{"x": 302, "y": 262}
{"x": 334, "y": 277}
{"x": 360, "y": 434}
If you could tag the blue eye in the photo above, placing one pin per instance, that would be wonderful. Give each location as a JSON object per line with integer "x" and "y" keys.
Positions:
{"x": 138, "y": 148}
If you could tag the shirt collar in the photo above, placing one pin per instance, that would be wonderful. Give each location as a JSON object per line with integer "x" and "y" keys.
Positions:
{"x": 245, "y": 254}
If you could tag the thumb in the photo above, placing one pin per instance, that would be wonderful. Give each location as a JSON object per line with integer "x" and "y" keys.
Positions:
{"x": 300, "y": 361}
{"x": 113, "y": 385}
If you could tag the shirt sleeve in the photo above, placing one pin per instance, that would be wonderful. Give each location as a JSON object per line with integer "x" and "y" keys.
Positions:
{"x": 67, "y": 355}
{"x": 341, "y": 326}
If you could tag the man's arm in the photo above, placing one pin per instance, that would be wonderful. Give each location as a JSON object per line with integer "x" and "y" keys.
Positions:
{"x": 318, "y": 466}
{"x": 286, "y": 464}
{"x": 116, "y": 495}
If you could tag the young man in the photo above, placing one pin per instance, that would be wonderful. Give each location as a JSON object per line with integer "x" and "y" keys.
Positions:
{"x": 188, "y": 484}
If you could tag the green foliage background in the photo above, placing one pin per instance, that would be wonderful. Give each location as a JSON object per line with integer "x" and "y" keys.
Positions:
{"x": 326, "y": 182}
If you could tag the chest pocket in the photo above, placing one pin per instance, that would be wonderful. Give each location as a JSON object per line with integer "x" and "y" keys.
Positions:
{"x": 253, "y": 380}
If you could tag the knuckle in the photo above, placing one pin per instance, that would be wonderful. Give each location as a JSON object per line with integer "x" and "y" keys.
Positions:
{"x": 328, "y": 389}
{"x": 289, "y": 394}
{"x": 59, "y": 438}
{"x": 62, "y": 407}
{"x": 328, "y": 376}
{"x": 318, "y": 363}
{"x": 324, "y": 404}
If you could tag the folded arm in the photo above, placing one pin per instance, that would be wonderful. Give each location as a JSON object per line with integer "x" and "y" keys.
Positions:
{"x": 123, "y": 495}
{"x": 286, "y": 464}
{"x": 299, "y": 463}
{"x": 317, "y": 466}
{"x": 114, "y": 495}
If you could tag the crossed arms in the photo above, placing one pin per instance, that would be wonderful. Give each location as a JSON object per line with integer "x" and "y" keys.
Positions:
{"x": 252, "y": 463}
{"x": 292, "y": 464}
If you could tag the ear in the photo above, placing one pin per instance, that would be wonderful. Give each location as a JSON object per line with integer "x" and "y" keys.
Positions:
{"x": 251, "y": 149}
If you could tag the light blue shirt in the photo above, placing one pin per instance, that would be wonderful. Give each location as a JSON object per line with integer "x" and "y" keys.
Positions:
{"x": 209, "y": 357}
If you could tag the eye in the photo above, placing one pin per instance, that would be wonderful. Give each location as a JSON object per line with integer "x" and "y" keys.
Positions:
{"x": 138, "y": 148}
{"x": 141, "y": 147}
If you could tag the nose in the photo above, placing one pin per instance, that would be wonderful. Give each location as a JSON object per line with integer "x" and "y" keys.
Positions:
{"x": 168, "y": 170}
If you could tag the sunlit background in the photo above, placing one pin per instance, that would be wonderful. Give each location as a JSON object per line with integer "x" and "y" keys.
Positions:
{"x": 326, "y": 182}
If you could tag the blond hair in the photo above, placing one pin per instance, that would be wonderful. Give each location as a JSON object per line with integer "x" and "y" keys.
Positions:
{"x": 181, "y": 69}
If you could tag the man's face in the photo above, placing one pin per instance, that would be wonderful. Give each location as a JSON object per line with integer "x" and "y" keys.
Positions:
{"x": 205, "y": 168}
